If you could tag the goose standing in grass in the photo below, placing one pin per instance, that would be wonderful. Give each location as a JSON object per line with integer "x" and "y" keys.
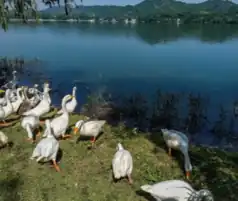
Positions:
{"x": 16, "y": 105}
{"x": 176, "y": 190}
{"x": 71, "y": 105}
{"x": 3, "y": 140}
{"x": 60, "y": 124}
{"x": 179, "y": 141}
{"x": 47, "y": 148}
{"x": 30, "y": 123}
{"x": 42, "y": 108}
{"x": 89, "y": 128}
{"x": 7, "y": 110}
{"x": 122, "y": 164}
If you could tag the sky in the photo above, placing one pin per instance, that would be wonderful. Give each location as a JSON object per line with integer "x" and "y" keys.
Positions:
{"x": 115, "y": 2}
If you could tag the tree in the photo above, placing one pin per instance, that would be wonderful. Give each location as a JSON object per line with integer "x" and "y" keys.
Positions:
{"x": 24, "y": 8}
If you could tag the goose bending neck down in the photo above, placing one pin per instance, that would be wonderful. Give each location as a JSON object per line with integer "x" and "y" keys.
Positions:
{"x": 179, "y": 141}
{"x": 176, "y": 190}
{"x": 187, "y": 163}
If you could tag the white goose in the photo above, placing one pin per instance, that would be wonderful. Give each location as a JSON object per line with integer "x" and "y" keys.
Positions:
{"x": 179, "y": 141}
{"x": 29, "y": 123}
{"x": 47, "y": 148}
{"x": 60, "y": 124}
{"x": 122, "y": 164}
{"x": 6, "y": 110}
{"x": 89, "y": 128}
{"x": 42, "y": 108}
{"x": 71, "y": 105}
{"x": 176, "y": 190}
{"x": 19, "y": 100}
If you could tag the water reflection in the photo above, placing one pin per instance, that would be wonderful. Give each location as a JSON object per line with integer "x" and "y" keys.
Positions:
{"x": 149, "y": 33}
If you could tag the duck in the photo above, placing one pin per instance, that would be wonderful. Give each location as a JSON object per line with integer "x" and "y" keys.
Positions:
{"x": 47, "y": 148}
{"x": 6, "y": 110}
{"x": 71, "y": 105}
{"x": 89, "y": 128}
{"x": 60, "y": 124}
{"x": 178, "y": 141}
{"x": 122, "y": 164}
{"x": 176, "y": 190}
{"x": 30, "y": 123}
{"x": 19, "y": 100}
{"x": 3, "y": 140}
{"x": 42, "y": 108}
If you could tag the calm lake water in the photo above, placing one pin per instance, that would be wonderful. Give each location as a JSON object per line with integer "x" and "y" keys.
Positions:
{"x": 127, "y": 59}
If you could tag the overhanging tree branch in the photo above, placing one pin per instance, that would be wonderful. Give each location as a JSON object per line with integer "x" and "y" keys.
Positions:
{"x": 24, "y": 8}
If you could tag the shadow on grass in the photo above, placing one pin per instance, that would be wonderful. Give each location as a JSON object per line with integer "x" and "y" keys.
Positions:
{"x": 9, "y": 188}
{"x": 217, "y": 170}
{"x": 59, "y": 155}
{"x": 147, "y": 196}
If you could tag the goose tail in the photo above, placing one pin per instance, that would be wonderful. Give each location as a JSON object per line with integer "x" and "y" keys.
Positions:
{"x": 59, "y": 112}
{"x": 147, "y": 188}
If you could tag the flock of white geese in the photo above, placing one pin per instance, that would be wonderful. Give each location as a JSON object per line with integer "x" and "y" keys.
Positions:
{"x": 32, "y": 104}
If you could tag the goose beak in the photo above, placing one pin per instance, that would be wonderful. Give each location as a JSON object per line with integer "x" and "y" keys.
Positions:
{"x": 75, "y": 130}
{"x": 187, "y": 175}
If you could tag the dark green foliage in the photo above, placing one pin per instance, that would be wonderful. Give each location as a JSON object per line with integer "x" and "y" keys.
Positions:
{"x": 211, "y": 11}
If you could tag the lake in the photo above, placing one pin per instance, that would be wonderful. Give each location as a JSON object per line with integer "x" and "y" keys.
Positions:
{"x": 125, "y": 59}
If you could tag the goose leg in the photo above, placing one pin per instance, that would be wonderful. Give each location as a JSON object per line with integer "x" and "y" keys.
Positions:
{"x": 130, "y": 179}
{"x": 4, "y": 123}
{"x": 187, "y": 175}
{"x": 56, "y": 166}
{"x": 30, "y": 139}
{"x": 170, "y": 152}
{"x": 65, "y": 136}
{"x": 38, "y": 133}
{"x": 93, "y": 139}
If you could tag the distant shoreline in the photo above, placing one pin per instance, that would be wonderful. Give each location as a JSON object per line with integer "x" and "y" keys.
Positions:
{"x": 91, "y": 21}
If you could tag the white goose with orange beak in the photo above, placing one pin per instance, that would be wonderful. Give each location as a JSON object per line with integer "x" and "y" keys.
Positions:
{"x": 89, "y": 128}
{"x": 179, "y": 141}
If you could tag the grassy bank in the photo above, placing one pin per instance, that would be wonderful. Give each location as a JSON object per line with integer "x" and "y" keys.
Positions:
{"x": 86, "y": 174}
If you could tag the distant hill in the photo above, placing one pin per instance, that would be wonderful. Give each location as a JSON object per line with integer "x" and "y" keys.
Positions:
{"x": 152, "y": 7}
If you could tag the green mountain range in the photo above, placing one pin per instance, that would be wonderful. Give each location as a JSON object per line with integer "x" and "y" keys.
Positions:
{"x": 152, "y": 7}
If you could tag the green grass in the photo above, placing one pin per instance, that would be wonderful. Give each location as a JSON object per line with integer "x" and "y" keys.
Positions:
{"x": 86, "y": 174}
